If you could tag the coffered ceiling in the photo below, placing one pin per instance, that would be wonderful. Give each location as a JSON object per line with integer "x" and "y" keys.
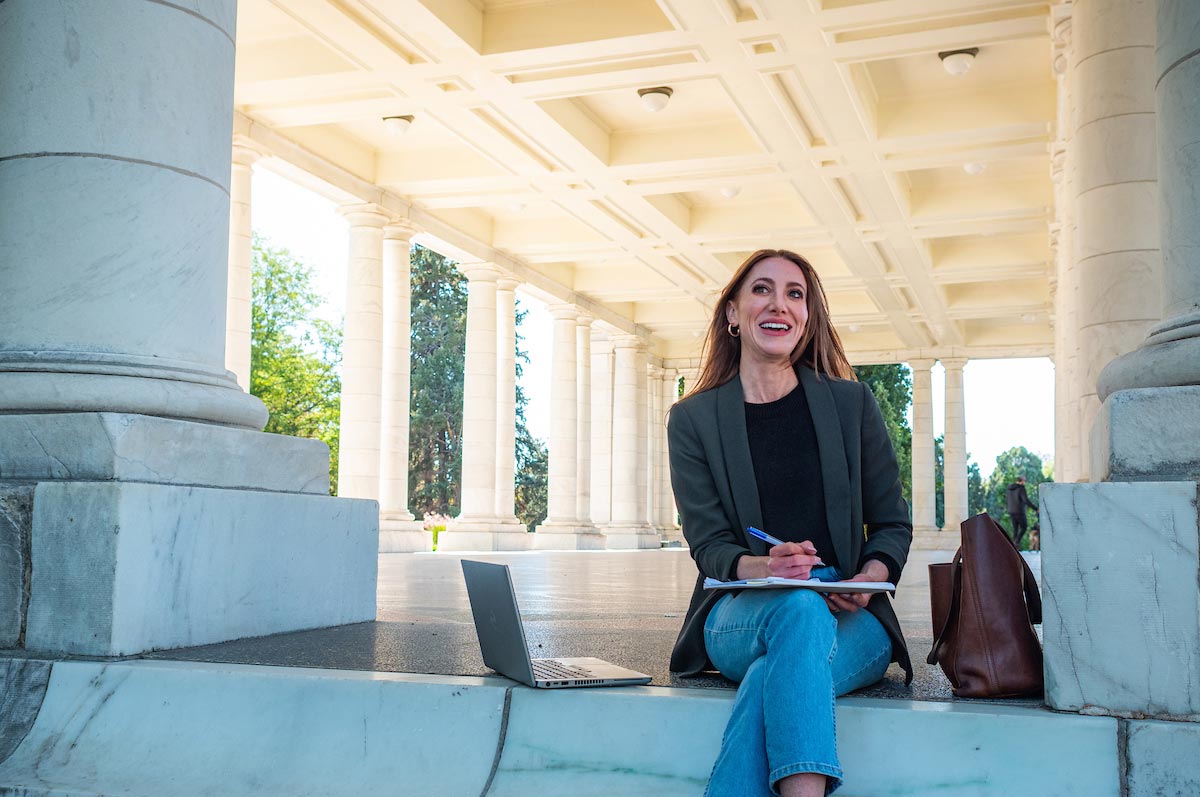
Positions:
{"x": 829, "y": 127}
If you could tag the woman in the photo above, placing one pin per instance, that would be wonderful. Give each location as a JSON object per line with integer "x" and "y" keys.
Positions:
{"x": 777, "y": 435}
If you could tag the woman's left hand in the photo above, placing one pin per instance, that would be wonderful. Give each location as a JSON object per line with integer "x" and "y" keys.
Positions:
{"x": 873, "y": 570}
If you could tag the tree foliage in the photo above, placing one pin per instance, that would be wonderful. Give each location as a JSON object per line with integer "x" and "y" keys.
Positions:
{"x": 294, "y": 356}
{"x": 439, "y": 344}
{"x": 533, "y": 458}
{"x": 892, "y": 388}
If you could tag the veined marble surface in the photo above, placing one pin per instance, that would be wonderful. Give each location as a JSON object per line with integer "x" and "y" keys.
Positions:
{"x": 23, "y": 685}
{"x": 152, "y": 728}
{"x": 1119, "y": 586}
{"x": 16, "y": 510}
{"x": 105, "y": 446}
{"x": 123, "y": 568}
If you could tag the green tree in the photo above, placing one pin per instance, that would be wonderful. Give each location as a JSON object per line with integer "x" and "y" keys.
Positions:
{"x": 1016, "y": 461}
{"x": 976, "y": 493}
{"x": 892, "y": 388}
{"x": 439, "y": 344}
{"x": 533, "y": 458}
{"x": 294, "y": 356}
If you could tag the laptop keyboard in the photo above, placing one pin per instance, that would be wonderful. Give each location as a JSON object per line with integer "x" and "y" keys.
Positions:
{"x": 549, "y": 669}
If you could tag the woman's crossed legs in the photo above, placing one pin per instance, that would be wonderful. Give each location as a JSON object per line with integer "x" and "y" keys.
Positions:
{"x": 792, "y": 657}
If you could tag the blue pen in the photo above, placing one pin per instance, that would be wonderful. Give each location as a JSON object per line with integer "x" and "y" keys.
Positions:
{"x": 762, "y": 535}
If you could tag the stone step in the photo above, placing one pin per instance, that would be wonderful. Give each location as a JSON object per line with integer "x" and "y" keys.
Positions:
{"x": 183, "y": 728}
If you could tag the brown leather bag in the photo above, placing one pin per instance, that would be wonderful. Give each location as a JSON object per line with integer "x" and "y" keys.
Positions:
{"x": 984, "y": 606}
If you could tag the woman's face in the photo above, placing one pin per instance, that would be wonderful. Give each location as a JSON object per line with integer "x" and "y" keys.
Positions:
{"x": 771, "y": 308}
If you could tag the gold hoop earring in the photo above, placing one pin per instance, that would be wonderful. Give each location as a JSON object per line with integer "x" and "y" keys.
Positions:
{"x": 734, "y": 330}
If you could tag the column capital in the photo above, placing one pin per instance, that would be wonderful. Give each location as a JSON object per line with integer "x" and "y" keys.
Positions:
{"x": 247, "y": 152}
{"x": 479, "y": 272}
{"x": 627, "y": 342}
{"x": 954, "y": 363}
{"x": 400, "y": 230}
{"x": 584, "y": 320}
{"x": 364, "y": 215}
{"x": 921, "y": 363}
{"x": 1060, "y": 36}
{"x": 563, "y": 312}
{"x": 506, "y": 283}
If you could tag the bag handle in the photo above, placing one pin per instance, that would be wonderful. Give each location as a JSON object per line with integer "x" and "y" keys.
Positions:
{"x": 1033, "y": 598}
{"x": 952, "y": 612}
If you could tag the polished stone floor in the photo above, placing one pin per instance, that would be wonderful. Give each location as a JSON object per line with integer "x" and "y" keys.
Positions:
{"x": 623, "y": 606}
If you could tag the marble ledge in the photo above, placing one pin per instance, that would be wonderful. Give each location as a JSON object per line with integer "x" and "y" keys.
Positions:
{"x": 122, "y": 447}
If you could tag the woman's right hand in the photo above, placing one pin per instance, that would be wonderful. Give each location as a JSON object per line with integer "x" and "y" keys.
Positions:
{"x": 789, "y": 560}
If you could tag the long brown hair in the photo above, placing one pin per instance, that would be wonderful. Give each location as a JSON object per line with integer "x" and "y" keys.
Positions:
{"x": 819, "y": 347}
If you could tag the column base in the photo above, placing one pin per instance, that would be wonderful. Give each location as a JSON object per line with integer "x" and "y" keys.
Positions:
{"x": 1120, "y": 598}
{"x": 672, "y": 537}
{"x": 934, "y": 539}
{"x": 623, "y": 538}
{"x": 567, "y": 537}
{"x": 1171, "y": 363}
{"x": 1147, "y": 434}
{"x": 398, "y": 535}
{"x": 124, "y": 568}
{"x": 484, "y": 534}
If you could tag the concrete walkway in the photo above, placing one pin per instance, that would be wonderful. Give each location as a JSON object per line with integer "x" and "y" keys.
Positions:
{"x": 624, "y": 606}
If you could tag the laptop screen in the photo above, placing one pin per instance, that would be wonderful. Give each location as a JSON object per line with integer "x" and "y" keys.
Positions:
{"x": 497, "y": 620}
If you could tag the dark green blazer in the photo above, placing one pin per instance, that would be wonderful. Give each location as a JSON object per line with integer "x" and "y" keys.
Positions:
{"x": 713, "y": 479}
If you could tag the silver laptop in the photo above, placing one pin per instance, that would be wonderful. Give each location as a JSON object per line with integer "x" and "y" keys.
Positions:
{"x": 502, "y": 638}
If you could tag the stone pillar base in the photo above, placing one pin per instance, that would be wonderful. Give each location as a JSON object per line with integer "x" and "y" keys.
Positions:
{"x": 1147, "y": 434}
{"x": 672, "y": 537}
{"x": 567, "y": 537}
{"x": 1119, "y": 563}
{"x": 620, "y": 538}
{"x": 403, "y": 536}
{"x": 124, "y": 568}
{"x": 491, "y": 534}
{"x": 934, "y": 540}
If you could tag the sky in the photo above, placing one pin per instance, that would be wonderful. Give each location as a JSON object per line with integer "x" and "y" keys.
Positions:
{"x": 1008, "y": 402}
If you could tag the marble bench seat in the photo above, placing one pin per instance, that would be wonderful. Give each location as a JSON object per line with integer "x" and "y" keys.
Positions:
{"x": 146, "y": 727}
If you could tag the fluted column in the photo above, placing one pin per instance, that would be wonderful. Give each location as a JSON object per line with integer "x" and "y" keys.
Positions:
{"x": 506, "y": 399}
{"x": 562, "y": 529}
{"x": 362, "y": 356}
{"x": 583, "y": 419}
{"x": 628, "y": 527}
{"x": 241, "y": 257}
{"x": 398, "y": 531}
{"x": 954, "y": 477}
{"x": 924, "y": 491}
{"x": 602, "y": 405}
{"x": 1116, "y": 192}
{"x": 477, "y": 526}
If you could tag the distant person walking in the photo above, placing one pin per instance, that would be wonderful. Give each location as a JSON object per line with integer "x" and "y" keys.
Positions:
{"x": 1016, "y": 501}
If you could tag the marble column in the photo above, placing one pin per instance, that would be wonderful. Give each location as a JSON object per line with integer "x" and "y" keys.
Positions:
{"x": 1067, "y": 431}
{"x": 241, "y": 259}
{"x": 1115, "y": 187}
{"x": 478, "y": 527}
{"x": 654, "y": 380}
{"x": 583, "y": 418}
{"x": 398, "y": 531}
{"x": 628, "y": 527}
{"x": 954, "y": 456}
{"x": 562, "y": 528}
{"x": 924, "y": 491}
{"x": 666, "y": 507}
{"x": 362, "y": 355}
{"x": 506, "y": 401}
{"x": 150, "y": 511}
{"x": 602, "y": 405}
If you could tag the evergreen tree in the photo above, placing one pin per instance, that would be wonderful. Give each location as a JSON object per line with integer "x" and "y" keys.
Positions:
{"x": 1016, "y": 461}
{"x": 294, "y": 357}
{"x": 533, "y": 458}
{"x": 892, "y": 388}
{"x": 439, "y": 344}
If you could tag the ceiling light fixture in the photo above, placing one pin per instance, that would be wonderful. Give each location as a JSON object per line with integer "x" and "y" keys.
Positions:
{"x": 655, "y": 99}
{"x": 974, "y": 168}
{"x": 1029, "y": 318}
{"x": 854, "y": 327}
{"x": 958, "y": 62}
{"x": 730, "y": 191}
{"x": 397, "y": 125}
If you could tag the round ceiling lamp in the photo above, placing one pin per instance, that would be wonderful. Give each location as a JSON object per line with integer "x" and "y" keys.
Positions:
{"x": 974, "y": 168}
{"x": 730, "y": 191}
{"x": 958, "y": 62}
{"x": 397, "y": 125}
{"x": 655, "y": 99}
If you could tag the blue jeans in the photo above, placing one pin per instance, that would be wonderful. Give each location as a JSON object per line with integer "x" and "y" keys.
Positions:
{"x": 791, "y": 657}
